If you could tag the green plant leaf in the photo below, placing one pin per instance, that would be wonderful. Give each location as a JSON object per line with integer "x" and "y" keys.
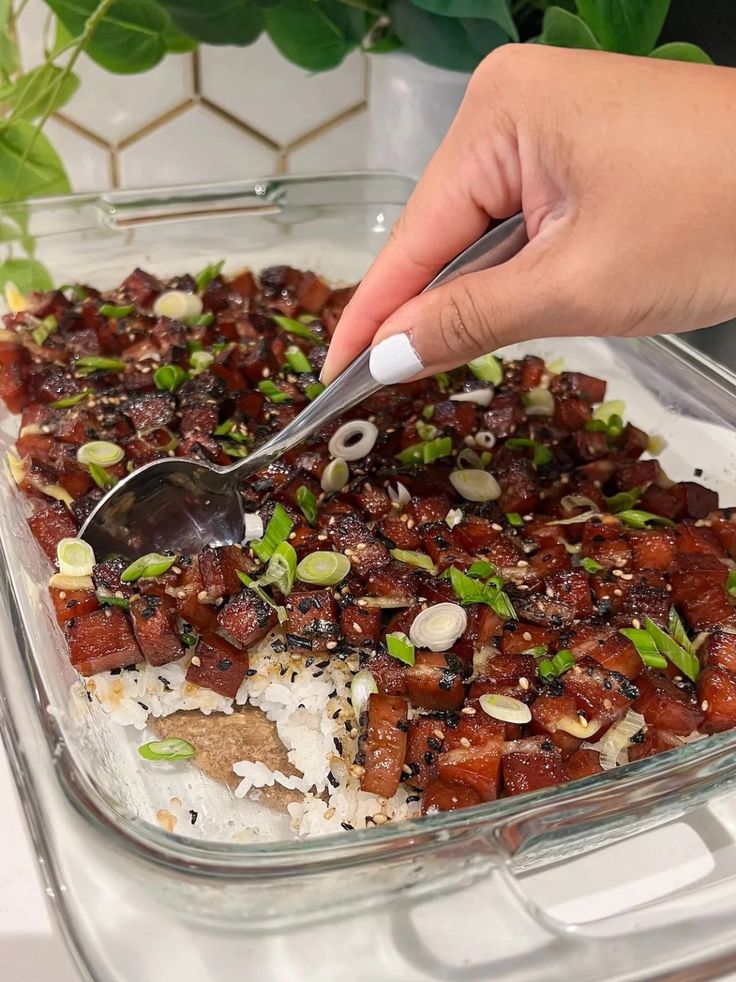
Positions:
{"x": 8, "y": 57}
{"x": 354, "y": 23}
{"x": 40, "y": 91}
{"x": 29, "y": 165}
{"x": 384, "y": 43}
{"x": 629, "y": 26}
{"x": 130, "y": 37}
{"x": 456, "y": 44}
{"x": 495, "y": 10}
{"x": 217, "y": 21}
{"x": 27, "y": 274}
{"x": 682, "y": 51}
{"x": 305, "y": 33}
{"x": 565, "y": 30}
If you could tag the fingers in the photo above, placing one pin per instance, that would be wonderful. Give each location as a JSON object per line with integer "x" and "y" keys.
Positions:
{"x": 471, "y": 316}
{"x": 471, "y": 177}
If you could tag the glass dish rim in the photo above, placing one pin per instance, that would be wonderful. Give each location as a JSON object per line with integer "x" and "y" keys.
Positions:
{"x": 355, "y": 846}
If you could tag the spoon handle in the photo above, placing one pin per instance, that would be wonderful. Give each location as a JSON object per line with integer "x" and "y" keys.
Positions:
{"x": 356, "y": 382}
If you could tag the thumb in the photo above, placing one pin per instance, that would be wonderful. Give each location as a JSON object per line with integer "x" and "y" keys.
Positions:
{"x": 471, "y": 316}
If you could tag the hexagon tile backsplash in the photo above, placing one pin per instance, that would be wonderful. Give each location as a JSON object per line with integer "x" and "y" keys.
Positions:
{"x": 217, "y": 114}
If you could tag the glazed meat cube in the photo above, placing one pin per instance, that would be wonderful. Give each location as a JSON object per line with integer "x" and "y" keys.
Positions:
{"x": 720, "y": 651}
{"x": 550, "y": 560}
{"x": 698, "y": 591}
{"x": 233, "y": 559}
{"x": 532, "y": 372}
{"x": 504, "y": 414}
{"x": 424, "y": 743}
{"x": 665, "y": 705}
{"x": 311, "y": 620}
{"x": 599, "y": 694}
{"x": 518, "y": 482}
{"x": 553, "y": 710}
{"x": 484, "y": 627}
{"x": 425, "y": 511}
{"x": 396, "y": 581}
{"x": 634, "y": 441}
{"x": 153, "y": 631}
{"x": 200, "y": 417}
{"x": 717, "y": 696}
{"x": 591, "y": 445}
{"x": 50, "y": 525}
{"x": 366, "y": 553}
{"x": 725, "y": 533}
{"x": 532, "y": 771}
{"x": 605, "y": 542}
{"x": 107, "y": 577}
{"x": 637, "y": 474}
{"x": 457, "y": 418}
{"x": 439, "y": 544}
{"x": 583, "y": 763}
{"x": 213, "y": 576}
{"x": 565, "y": 600}
{"x": 572, "y": 588}
{"x": 13, "y": 392}
{"x": 693, "y": 539}
{"x": 246, "y": 618}
{"x": 72, "y": 603}
{"x": 190, "y": 587}
{"x": 524, "y": 637}
{"x": 441, "y": 796}
{"x": 221, "y": 667}
{"x": 607, "y": 646}
{"x": 577, "y": 384}
{"x": 646, "y": 596}
{"x": 372, "y": 501}
{"x": 389, "y": 673}
{"x": 399, "y": 535}
{"x": 572, "y": 413}
{"x": 435, "y": 681}
{"x": 150, "y": 410}
{"x": 384, "y": 744}
{"x": 478, "y": 768}
{"x": 360, "y": 625}
{"x": 141, "y": 288}
{"x": 477, "y": 535}
{"x": 662, "y": 501}
{"x": 100, "y": 641}
{"x": 653, "y": 549}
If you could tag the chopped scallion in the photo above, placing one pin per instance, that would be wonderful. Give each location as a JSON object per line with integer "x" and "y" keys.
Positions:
{"x": 551, "y": 668}
{"x": 75, "y": 557}
{"x": 443, "y": 381}
{"x": 307, "y": 503}
{"x": 152, "y": 564}
{"x": 95, "y": 363}
{"x": 624, "y": 500}
{"x": 102, "y": 478}
{"x": 487, "y": 368}
{"x": 419, "y": 559}
{"x": 313, "y": 390}
{"x": 731, "y": 583}
{"x": 100, "y": 452}
{"x": 260, "y": 592}
{"x": 400, "y": 647}
{"x": 606, "y": 410}
{"x": 208, "y": 274}
{"x": 427, "y": 413}
{"x": 514, "y": 519}
{"x": 45, "y": 329}
{"x": 111, "y": 310}
{"x": 277, "y": 530}
{"x": 426, "y": 452}
{"x": 323, "y": 568}
{"x": 481, "y": 570}
{"x": 171, "y": 749}
{"x": 426, "y": 430}
{"x": 202, "y": 320}
{"x": 281, "y": 568}
{"x": 169, "y": 378}
{"x": 678, "y": 632}
{"x": 645, "y": 646}
{"x": 296, "y": 328}
{"x": 107, "y": 600}
{"x": 200, "y": 361}
{"x": 272, "y": 392}
{"x": 686, "y": 661}
{"x": 541, "y": 455}
{"x": 297, "y": 360}
{"x": 590, "y": 566}
{"x": 642, "y": 519}
{"x": 71, "y": 400}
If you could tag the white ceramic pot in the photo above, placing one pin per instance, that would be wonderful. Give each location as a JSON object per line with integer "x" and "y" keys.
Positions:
{"x": 411, "y": 106}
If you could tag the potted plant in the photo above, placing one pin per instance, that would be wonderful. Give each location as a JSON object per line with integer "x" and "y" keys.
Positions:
{"x": 422, "y": 52}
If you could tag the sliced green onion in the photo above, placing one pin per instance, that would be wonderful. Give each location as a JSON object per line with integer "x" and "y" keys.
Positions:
{"x": 208, "y": 274}
{"x": 307, "y": 503}
{"x": 538, "y": 402}
{"x": 515, "y": 519}
{"x": 200, "y": 361}
{"x": 281, "y": 568}
{"x": 426, "y": 452}
{"x": 313, "y": 390}
{"x": 95, "y": 363}
{"x": 556, "y": 366}
{"x": 542, "y": 455}
{"x": 234, "y": 450}
{"x": 538, "y": 651}
{"x": 426, "y": 431}
{"x": 299, "y": 330}
{"x": 427, "y": 413}
{"x": 678, "y": 632}
{"x": 500, "y": 603}
{"x": 298, "y": 361}
{"x": 308, "y": 318}
{"x": 100, "y": 452}
{"x": 323, "y": 568}
{"x": 505, "y": 708}
{"x": 45, "y": 329}
{"x": 277, "y": 530}
{"x": 487, "y": 368}
{"x": 731, "y": 583}
{"x": 188, "y": 639}
{"x": 590, "y": 566}
{"x": 419, "y": 559}
{"x": 362, "y": 688}
{"x": 481, "y": 570}
{"x": 177, "y": 305}
{"x": 546, "y": 670}
{"x": 171, "y": 749}
{"x": 443, "y": 381}
{"x": 453, "y": 517}
{"x": 353, "y": 440}
{"x": 168, "y": 378}
{"x": 613, "y": 427}
{"x": 642, "y": 519}
{"x": 552, "y": 668}
{"x": 102, "y": 478}
{"x": 107, "y": 600}
{"x": 438, "y": 627}
{"x": 645, "y": 646}
{"x": 78, "y": 293}
{"x": 110, "y": 310}
{"x": 614, "y": 407}
{"x": 400, "y": 647}
{"x": 624, "y": 500}
{"x": 152, "y": 564}
{"x": 272, "y": 392}
{"x": 475, "y": 485}
{"x": 71, "y": 400}
{"x": 472, "y": 591}
{"x": 687, "y": 662}
{"x": 335, "y": 476}
{"x": 75, "y": 557}
{"x": 260, "y": 592}
{"x": 656, "y": 444}
{"x": 202, "y": 320}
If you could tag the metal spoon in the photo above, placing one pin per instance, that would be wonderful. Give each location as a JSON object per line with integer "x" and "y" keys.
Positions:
{"x": 180, "y": 505}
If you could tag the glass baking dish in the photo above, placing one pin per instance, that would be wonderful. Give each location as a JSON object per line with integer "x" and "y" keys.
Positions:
{"x": 203, "y": 896}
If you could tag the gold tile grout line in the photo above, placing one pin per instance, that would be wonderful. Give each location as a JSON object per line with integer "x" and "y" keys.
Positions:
{"x": 325, "y": 127}
{"x": 154, "y": 125}
{"x": 239, "y": 123}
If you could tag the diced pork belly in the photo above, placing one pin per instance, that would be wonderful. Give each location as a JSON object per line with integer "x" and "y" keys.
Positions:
{"x": 217, "y": 665}
{"x": 435, "y": 681}
{"x": 578, "y": 384}
{"x": 532, "y": 771}
{"x": 360, "y": 625}
{"x": 188, "y": 592}
{"x": 477, "y": 768}
{"x": 312, "y": 621}
{"x": 383, "y": 746}
{"x": 698, "y": 591}
{"x": 583, "y": 763}
{"x": 246, "y": 618}
{"x": 717, "y": 696}
{"x": 389, "y": 673}
{"x": 153, "y": 631}
{"x": 665, "y": 705}
{"x": 653, "y": 549}
{"x": 719, "y": 651}
{"x": 601, "y": 695}
{"x": 106, "y": 576}
{"x": 350, "y": 535}
{"x": 50, "y": 525}
{"x": 424, "y": 744}
{"x": 441, "y": 796}
{"x": 72, "y": 603}
{"x": 101, "y": 640}
{"x": 606, "y": 543}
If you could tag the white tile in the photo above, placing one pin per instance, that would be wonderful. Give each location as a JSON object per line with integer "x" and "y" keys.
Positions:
{"x": 194, "y": 146}
{"x": 87, "y": 164}
{"x": 30, "y": 33}
{"x": 283, "y": 102}
{"x": 342, "y": 147}
{"x": 116, "y": 106}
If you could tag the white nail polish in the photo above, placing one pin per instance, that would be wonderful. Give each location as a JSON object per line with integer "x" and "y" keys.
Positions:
{"x": 394, "y": 360}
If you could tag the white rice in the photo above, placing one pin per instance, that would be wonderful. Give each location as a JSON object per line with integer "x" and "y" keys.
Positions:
{"x": 309, "y": 704}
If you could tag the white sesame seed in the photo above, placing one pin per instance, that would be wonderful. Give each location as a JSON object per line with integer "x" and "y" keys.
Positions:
{"x": 527, "y": 636}
{"x": 468, "y": 711}
{"x": 523, "y": 683}
{"x": 635, "y": 622}
{"x": 464, "y": 742}
{"x": 704, "y": 705}
{"x": 439, "y": 734}
{"x": 196, "y": 660}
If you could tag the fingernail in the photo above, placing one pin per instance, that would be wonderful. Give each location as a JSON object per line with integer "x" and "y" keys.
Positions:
{"x": 394, "y": 360}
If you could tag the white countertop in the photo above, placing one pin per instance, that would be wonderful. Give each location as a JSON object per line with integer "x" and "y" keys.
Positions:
{"x": 31, "y": 947}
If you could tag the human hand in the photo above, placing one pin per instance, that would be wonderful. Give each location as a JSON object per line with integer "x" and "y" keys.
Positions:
{"x": 623, "y": 169}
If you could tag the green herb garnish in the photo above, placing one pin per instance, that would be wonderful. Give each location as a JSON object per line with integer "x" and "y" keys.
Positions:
{"x": 541, "y": 455}
{"x": 296, "y": 328}
{"x": 71, "y": 400}
{"x": 551, "y": 668}
{"x": 171, "y": 749}
{"x": 152, "y": 564}
{"x": 281, "y": 568}
{"x": 277, "y": 530}
{"x": 169, "y": 378}
{"x": 400, "y": 647}
{"x": 426, "y": 452}
{"x": 272, "y": 392}
{"x": 645, "y": 646}
{"x": 323, "y": 568}
{"x": 514, "y": 519}
{"x": 642, "y": 519}
{"x": 419, "y": 559}
{"x": 94, "y": 363}
{"x": 313, "y": 390}
{"x": 624, "y": 500}
{"x": 207, "y": 275}
{"x": 110, "y": 310}
{"x": 102, "y": 478}
{"x": 487, "y": 368}
{"x": 260, "y": 592}
{"x": 591, "y": 566}
{"x": 307, "y": 503}
{"x": 297, "y": 360}
{"x": 686, "y": 661}
{"x": 202, "y": 320}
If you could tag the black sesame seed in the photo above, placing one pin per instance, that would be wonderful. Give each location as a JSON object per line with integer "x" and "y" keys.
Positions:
{"x": 338, "y": 744}
{"x": 143, "y": 705}
{"x": 413, "y": 797}
{"x": 251, "y": 672}
{"x": 428, "y": 757}
{"x": 194, "y": 816}
{"x": 333, "y": 780}
{"x": 347, "y": 826}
